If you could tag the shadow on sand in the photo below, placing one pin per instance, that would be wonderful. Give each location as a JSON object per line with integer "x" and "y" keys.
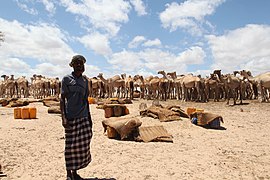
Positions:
{"x": 98, "y": 178}
{"x": 220, "y": 128}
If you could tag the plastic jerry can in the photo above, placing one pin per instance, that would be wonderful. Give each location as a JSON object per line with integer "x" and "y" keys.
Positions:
{"x": 111, "y": 132}
{"x": 190, "y": 110}
{"x": 32, "y": 112}
{"x": 91, "y": 100}
{"x": 108, "y": 111}
{"x": 17, "y": 113}
{"x": 25, "y": 113}
{"x": 126, "y": 111}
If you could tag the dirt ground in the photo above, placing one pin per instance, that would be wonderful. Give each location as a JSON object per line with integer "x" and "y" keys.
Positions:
{"x": 34, "y": 149}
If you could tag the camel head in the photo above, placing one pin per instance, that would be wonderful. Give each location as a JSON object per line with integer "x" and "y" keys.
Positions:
{"x": 3, "y": 76}
{"x": 172, "y": 74}
{"x": 161, "y": 72}
{"x": 100, "y": 75}
{"x": 124, "y": 75}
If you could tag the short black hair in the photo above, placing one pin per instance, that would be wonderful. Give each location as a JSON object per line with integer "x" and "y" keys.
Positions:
{"x": 77, "y": 58}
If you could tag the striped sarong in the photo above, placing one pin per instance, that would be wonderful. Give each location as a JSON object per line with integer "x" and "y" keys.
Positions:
{"x": 77, "y": 144}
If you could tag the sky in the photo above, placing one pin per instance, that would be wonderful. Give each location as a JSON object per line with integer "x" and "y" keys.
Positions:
{"x": 134, "y": 36}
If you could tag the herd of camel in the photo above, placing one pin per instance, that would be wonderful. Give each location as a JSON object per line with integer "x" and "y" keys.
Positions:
{"x": 239, "y": 85}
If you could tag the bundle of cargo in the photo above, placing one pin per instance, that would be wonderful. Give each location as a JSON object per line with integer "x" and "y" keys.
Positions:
{"x": 164, "y": 114}
{"x": 115, "y": 110}
{"x": 121, "y": 128}
{"x": 206, "y": 119}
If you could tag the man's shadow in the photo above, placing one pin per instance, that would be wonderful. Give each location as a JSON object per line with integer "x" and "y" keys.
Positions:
{"x": 98, "y": 178}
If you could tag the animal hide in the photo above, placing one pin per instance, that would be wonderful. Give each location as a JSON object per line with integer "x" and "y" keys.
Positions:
{"x": 126, "y": 128}
{"x": 154, "y": 133}
{"x": 163, "y": 114}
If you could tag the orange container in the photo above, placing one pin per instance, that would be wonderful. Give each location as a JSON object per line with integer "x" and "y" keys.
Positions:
{"x": 17, "y": 113}
{"x": 111, "y": 132}
{"x": 91, "y": 100}
{"x": 190, "y": 110}
{"x": 32, "y": 112}
{"x": 199, "y": 110}
{"x": 25, "y": 113}
{"x": 108, "y": 111}
{"x": 126, "y": 111}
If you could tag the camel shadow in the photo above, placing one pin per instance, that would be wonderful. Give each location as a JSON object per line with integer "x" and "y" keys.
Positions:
{"x": 238, "y": 104}
{"x": 209, "y": 127}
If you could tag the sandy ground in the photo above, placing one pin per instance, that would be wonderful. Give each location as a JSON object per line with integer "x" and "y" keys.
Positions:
{"x": 34, "y": 149}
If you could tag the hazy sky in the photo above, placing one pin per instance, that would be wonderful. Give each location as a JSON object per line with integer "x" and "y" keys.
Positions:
{"x": 134, "y": 36}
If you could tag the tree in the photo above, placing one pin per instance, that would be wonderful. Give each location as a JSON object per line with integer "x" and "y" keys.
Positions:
{"x": 1, "y": 36}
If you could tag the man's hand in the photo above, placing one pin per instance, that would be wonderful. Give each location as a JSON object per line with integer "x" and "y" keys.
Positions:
{"x": 90, "y": 121}
{"x": 65, "y": 123}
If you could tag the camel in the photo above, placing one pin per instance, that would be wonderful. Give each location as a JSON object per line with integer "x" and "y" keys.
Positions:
{"x": 8, "y": 86}
{"x": 211, "y": 84}
{"x": 2, "y": 93}
{"x": 263, "y": 84}
{"x": 111, "y": 83}
{"x": 152, "y": 84}
{"x": 22, "y": 87}
{"x": 233, "y": 86}
{"x": 107, "y": 84}
{"x": 191, "y": 83}
{"x": 129, "y": 86}
{"x": 37, "y": 86}
{"x": 139, "y": 82}
{"x": 177, "y": 83}
{"x": 96, "y": 87}
{"x": 166, "y": 86}
{"x": 54, "y": 86}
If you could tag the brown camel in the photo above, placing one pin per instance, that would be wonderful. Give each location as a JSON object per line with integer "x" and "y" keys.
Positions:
{"x": 129, "y": 85}
{"x": 22, "y": 87}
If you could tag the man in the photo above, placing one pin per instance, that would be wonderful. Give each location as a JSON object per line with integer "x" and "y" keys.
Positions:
{"x": 76, "y": 118}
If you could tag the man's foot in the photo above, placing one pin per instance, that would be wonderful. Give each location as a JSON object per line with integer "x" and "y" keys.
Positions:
{"x": 69, "y": 178}
{"x": 69, "y": 175}
{"x": 76, "y": 176}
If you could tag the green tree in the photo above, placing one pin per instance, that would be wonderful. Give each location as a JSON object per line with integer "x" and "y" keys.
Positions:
{"x": 1, "y": 36}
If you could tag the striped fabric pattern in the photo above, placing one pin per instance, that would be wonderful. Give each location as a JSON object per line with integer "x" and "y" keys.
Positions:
{"x": 77, "y": 147}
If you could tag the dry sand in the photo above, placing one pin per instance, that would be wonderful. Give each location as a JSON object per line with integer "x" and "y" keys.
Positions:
{"x": 34, "y": 149}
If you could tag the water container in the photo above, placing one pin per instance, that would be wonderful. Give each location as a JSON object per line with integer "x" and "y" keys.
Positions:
{"x": 108, "y": 111}
{"x": 32, "y": 112}
{"x": 190, "y": 110}
{"x": 199, "y": 110}
{"x": 126, "y": 111}
{"x": 91, "y": 100}
{"x": 17, "y": 113}
{"x": 111, "y": 132}
{"x": 25, "y": 113}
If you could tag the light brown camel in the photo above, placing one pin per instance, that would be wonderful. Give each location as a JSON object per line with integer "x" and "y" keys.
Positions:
{"x": 129, "y": 86}
{"x": 263, "y": 84}
{"x": 9, "y": 86}
{"x": 37, "y": 86}
{"x": 55, "y": 85}
{"x": 165, "y": 85}
{"x": 152, "y": 87}
{"x": 139, "y": 82}
{"x": 112, "y": 83}
{"x": 190, "y": 84}
{"x": 233, "y": 87}
{"x": 96, "y": 87}
{"x": 212, "y": 86}
{"x": 177, "y": 81}
{"x": 22, "y": 87}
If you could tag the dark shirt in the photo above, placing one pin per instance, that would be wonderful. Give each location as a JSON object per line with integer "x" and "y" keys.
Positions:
{"x": 76, "y": 91}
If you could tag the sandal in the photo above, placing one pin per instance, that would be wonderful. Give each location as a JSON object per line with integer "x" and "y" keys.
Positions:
{"x": 77, "y": 176}
{"x": 69, "y": 178}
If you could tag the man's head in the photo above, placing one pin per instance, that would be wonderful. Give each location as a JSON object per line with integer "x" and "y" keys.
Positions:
{"x": 77, "y": 63}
